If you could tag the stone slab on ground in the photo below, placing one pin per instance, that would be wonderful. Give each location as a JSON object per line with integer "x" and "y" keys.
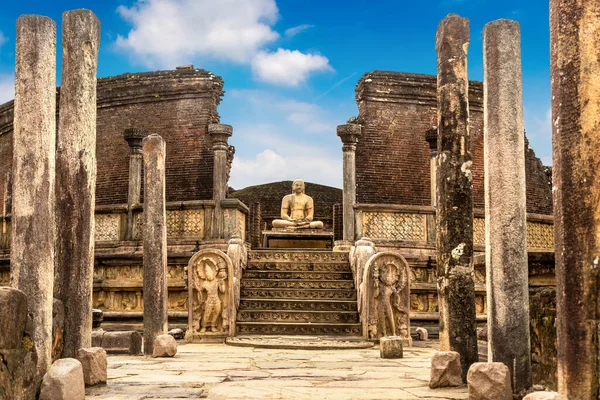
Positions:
{"x": 218, "y": 371}
{"x": 489, "y": 381}
{"x": 94, "y": 363}
{"x": 63, "y": 381}
{"x": 445, "y": 370}
{"x": 125, "y": 342}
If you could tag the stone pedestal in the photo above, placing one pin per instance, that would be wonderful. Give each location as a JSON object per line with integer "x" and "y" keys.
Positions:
{"x": 155, "y": 241}
{"x": 505, "y": 213}
{"x": 76, "y": 177}
{"x": 34, "y": 144}
{"x": 391, "y": 347}
{"x": 575, "y": 72}
{"x": 349, "y": 134}
{"x": 454, "y": 216}
{"x": 220, "y": 133}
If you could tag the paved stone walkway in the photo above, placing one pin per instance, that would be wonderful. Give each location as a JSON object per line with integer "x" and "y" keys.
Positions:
{"x": 218, "y": 371}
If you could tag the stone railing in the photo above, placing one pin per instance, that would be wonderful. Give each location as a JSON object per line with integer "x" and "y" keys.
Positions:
{"x": 395, "y": 224}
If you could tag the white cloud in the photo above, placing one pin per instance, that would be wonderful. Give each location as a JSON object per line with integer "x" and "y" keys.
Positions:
{"x": 291, "y": 32}
{"x": 166, "y": 33}
{"x": 270, "y": 166}
{"x": 288, "y": 67}
{"x": 7, "y": 87}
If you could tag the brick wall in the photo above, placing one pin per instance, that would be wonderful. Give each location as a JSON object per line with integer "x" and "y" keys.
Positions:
{"x": 178, "y": 105}
{"x": 392, "y": 156}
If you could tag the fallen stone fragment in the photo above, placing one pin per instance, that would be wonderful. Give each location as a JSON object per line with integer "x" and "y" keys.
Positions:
{"x": 544, "y": 396}
{"x": 164, "y": 346}
{"x": 95, "y": 365}
{"x": 489, "y": 381}
{"x": 63, "y": 381}
{"x": 177, "y": 333}
{"x": 422, "y": 334}
{"x": 127, "y": 342}
{"x": 445, "y": 370}
{"x": 391, "y": 347}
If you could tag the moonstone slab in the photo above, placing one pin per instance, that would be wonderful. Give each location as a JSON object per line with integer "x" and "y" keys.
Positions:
{"x": 445, "y": 370}
{"x": 95, "y": 365}
{"x": 164, "y": 346}
{"x": 489, "y": 381}
{"x": 63, "y": 381}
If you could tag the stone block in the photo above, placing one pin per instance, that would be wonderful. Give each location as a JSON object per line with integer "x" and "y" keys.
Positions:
{"x": 164, "y": 346}
{"x": 391, "y": 347}
{"x": 489, "y": 381}
{"x": 13, "y": 314}
{"x": 544, "y": 396}
{"x": 97, "y": 338}
{"x": 63, "y": 381}
{"x": 446, "y": 370}
{"x": 95, "y": 365}
{"x": 127, "y": 342}
{"x": 422, "y": 334}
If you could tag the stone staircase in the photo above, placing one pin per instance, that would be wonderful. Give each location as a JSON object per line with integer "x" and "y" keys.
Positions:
{"x": 298, "y": 292}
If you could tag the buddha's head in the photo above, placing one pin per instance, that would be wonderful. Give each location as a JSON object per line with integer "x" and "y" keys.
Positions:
{"x": 298, "y": 186}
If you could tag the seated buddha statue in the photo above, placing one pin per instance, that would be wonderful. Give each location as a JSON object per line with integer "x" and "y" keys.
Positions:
{"x": 297, "y": 210}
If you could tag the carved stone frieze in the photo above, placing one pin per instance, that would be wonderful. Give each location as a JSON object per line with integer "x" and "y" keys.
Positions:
{"x": 297, "y": 284}
{"x": 278, "y": 266}
{"x": 298, "y": 316}
{"x": 185, "y": 223}
{"x": 338, "y": 294}
{"x": 211, "y": 295}
{"x": 479, "y": 231}
{"x": 133, "y": 300}
{"x": 385, "y": 297}
{"x": 133, "y": 273}
{"x": 293, "y": 329}
{"x": 108, "y": 227}
{"x": 382, "y": 225}
{"x": 540, "y": 235}
{"x": 297, "y": 305}
{"x": 297, "y": 275}
{"x": 307, "y": 256}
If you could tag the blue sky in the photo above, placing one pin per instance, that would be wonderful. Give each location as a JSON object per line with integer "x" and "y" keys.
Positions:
{"x": 290, "y": 66}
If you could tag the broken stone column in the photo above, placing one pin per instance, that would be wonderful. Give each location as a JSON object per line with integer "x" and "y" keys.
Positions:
{"x": 220, "y": 133}
{"x": 155, "y": 241}
{"x": 349, "y": 134}
{"x": 34, "y": 143}
{"x": 134, "y": 138}
{"x": 454, "y": 217}
{"x": 76, "y": 177}
{"x": 505, "y": 214}
{"x": 574, "y": 71}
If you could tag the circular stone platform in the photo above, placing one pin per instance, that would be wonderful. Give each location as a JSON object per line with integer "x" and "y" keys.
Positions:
{"x": 299, "y": 342}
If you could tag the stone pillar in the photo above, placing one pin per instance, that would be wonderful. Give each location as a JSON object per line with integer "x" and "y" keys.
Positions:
{"x": 134, "y": 138}
{"x": 574, "y": 72}
{"x": 76, "y": 177}
{"x": 454, "y": 236}
{"x": 431, "y": 138}
{"x": 6, "y": 211}
{"x": 34, "y": 144}
{"x": 155, "y": 241}
{"x": 220, "y": 133}
{"x": 505, "y": 214}
{"x": 349, "y": 134}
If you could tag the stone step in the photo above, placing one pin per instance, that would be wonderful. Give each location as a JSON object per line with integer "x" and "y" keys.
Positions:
{"x": 310, "y": 275}
{"x": 299, "y": 266}
{"x": 285, "y": 328}
{"x": 347, "y": 317}
{"x": 296, "y": 284}
{"x": 301, "y": 305}
{"x": 313, "y": 294}
{"x": 301, "y": 255}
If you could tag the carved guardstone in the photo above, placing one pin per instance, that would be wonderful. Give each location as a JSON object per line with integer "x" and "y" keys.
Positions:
{"x": 211, "y": 311}
{"x": 385, "y": 297}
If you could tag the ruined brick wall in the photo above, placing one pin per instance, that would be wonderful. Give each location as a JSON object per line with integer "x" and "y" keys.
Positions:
{"x": 392, "y": 156}
{"x": 178, "y": 105}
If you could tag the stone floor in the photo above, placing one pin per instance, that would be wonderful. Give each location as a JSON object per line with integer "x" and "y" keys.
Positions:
{"x": 218, "y": 371}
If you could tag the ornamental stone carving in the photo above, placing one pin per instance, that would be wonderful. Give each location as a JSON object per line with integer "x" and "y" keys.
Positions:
{"x": 211, "y": 311}
{"x": 385, "y": 297}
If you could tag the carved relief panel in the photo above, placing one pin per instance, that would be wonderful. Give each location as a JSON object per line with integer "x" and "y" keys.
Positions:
{"x": 211, "y": 309}
{"x": 385, "y": 297}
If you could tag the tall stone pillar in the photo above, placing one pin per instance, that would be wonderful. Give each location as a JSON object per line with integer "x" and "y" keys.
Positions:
{"x": 349, "y": 134}
{"x": 454, "y": 233}
{"x": 505, "y": 214}
{"x": 6, "y": 210}
{"x": 76, "y": 177}
{"x": 155, "y": 241}
{"x": 34, "y": 144}
{"x": 134, "y": 138}
{"x": 575, "y": 72}
{"x": 220, "y": 133}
